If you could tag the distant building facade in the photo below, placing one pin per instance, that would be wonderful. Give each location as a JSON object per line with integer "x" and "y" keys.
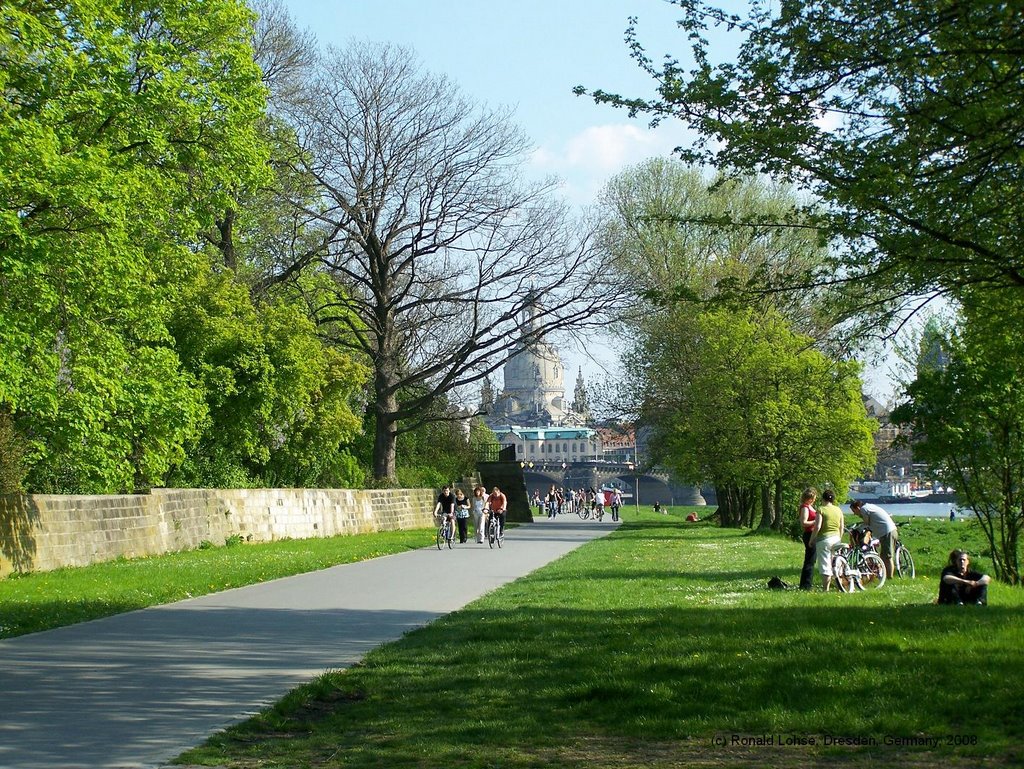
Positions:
{"x": 551, "y": 444}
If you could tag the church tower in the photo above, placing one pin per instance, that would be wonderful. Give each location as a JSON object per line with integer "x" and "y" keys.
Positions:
{"x": 534, "y": 392}
{"x": 581, "y": 402}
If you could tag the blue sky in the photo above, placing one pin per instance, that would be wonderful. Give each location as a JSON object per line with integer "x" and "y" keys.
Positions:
{"x": 529, "y": 54}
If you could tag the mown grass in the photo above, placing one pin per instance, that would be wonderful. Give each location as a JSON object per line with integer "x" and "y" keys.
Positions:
{"x": 46, "y": 600}
{"x": 661, "y": 646}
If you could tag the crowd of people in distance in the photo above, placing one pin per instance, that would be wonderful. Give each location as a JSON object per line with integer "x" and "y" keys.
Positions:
{"x": 455, "y": 506}
{"x": 823, "y": 529}
{"x": 558, "y": 500}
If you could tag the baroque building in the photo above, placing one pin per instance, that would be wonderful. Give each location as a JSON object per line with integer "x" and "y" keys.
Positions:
{"x": 534, "y": 391}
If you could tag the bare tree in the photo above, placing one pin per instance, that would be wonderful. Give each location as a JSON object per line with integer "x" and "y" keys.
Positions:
{"x": 285, "y": 52}
{"x": 443, "y": 260}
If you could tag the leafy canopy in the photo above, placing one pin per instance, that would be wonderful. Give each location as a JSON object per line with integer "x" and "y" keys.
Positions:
{"x": 904, "y": 118}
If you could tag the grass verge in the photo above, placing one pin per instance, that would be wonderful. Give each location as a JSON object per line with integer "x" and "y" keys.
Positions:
{"x": 45, "y": 600}
{"x": 660, "y": 646}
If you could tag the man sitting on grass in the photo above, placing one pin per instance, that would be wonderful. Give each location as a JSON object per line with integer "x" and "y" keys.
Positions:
{"x": 960, "y": 585}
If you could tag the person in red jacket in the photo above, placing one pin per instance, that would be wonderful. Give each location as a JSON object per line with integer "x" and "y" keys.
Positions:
{"x": 496, "y": 503}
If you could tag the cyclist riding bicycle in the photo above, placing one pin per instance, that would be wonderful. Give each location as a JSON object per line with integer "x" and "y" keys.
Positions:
{"x": 496, "y": 503}
{"x": 445, "y": 507}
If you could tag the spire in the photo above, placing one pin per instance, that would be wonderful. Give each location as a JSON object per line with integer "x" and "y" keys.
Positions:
{"x": 581, "y": 403}
{"x": 486, "y": 395}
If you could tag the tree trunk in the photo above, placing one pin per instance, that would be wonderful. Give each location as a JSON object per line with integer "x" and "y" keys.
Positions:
{"x": 780, "y": 519}
{"x": 226, "y": 227}
{"x": 749, "y": 499}
{"x": 767, "y": 509}
{"x": 386, "y": 438}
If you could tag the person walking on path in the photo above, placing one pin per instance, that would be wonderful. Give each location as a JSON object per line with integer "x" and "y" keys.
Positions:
{"x": 616, "y": 503}
{"x": 828, "y": 530}
{"x": 478, "y": 505}
{"x": 552, "y": 501}
{"x": 462, "y": 515}
{"x": 807, "y": 517}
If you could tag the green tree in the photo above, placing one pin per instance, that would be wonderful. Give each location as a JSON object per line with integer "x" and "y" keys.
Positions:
{"x": 739, "y": 400}
{"x": 904, "y": 118}
{"x": 278, "y": 402}
{"x": 673, "y": 234}
{"x": 965, "y": 411}
{"x": 733, "y": 395}
{"x": 122, "y": 127}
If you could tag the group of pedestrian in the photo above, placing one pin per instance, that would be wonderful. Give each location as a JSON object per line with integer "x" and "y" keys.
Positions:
{"x": 823, "y": 529}
{"x": 456, "y": 506}
{"x": 559, "y": 500}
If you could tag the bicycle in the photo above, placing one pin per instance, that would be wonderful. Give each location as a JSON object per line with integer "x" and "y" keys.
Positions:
{"x": 445, "y": 533}
{"x": 495, "y": 532}
{"x": 902, "y": 560}
{"x": 857, "y": 566}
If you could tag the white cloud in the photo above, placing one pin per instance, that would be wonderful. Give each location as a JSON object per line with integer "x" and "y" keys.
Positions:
{"x": 603, "y": 149}
{"x": 586, "y": 160}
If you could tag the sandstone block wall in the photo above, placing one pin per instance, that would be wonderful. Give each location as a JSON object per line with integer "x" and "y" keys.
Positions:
{"x": 44, "y": 532}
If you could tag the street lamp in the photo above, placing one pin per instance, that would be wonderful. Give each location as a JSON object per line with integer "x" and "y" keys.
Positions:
{"x": 636, "y": 486}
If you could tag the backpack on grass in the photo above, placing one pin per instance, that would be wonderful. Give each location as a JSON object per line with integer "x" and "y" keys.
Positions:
{"x": 776, "y": 583}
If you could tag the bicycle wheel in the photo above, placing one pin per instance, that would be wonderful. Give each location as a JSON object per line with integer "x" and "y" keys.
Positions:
{"x": 842, "y": 574}
{"x": 872, "y": 571}
{"x": 440, "y": 536}
{"x": 449, "y": 533}
{"x": 500, "y": 536}
{"x": 904, "y": 562}
{"x": 492, "y": 533}
{"x": 583, "y": 514}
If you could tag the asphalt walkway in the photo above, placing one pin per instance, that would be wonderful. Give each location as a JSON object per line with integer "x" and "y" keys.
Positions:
{"x": 138, "y": 689}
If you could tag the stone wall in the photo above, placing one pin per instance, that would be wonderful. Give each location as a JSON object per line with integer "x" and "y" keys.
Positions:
{"x": 44, "y": 532}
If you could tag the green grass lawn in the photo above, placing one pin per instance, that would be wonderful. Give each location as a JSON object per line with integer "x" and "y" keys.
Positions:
{"x": 46, "y": 600}
{"x": 660, "y": 646}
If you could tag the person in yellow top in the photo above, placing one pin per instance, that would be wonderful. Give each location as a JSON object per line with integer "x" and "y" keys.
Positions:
{"x": 828, "y": 531}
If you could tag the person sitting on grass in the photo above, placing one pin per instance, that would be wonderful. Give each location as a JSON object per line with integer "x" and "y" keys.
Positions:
{"x": 960, "y": 585}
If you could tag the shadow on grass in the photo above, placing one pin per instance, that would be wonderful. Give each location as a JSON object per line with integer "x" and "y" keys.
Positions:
{"x": 17, "y": 618}
{"x": 673, "y": 576}
{"x": 507, "y": 678}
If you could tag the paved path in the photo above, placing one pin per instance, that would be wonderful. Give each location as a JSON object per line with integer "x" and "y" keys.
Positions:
{"x": 138, "y": 689}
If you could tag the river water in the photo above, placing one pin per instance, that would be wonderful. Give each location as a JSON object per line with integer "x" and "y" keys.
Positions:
{"x": 921, "y": 510}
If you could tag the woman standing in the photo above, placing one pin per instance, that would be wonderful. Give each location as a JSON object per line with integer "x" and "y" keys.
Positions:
{"x": 477, "y": 504}
{"x": 828, "y": 530}
{"x": 551, "y": 500}
{"x": 807, "y": 516}
{"x": 461, "y": 515}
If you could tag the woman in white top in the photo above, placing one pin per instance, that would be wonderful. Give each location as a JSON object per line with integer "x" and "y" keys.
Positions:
{"x": 478, "y": 505}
